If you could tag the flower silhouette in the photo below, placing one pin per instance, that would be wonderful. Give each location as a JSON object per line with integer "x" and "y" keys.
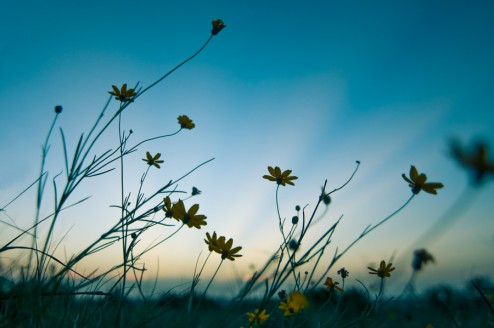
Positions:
{"x": 153, "y": 160}
{"x": 331, "y": 285}
{"x": 212, "y": 242}
{"x": 168, "y": 208}
{"x": 417, "y": 182}
{"x": 421, "y": 257}
{"x": 383, "y": 270}
{"x": 224, "y": 248}
{"x": 122, "y": 94}
{"x": 281, "y": 178}
{"x": 190, "y": 217}
{"x": 185, "y": 122}
{"x": 475, "y": 160}
{"x": 343, "y": 273}
{"x": 218, "y": 25}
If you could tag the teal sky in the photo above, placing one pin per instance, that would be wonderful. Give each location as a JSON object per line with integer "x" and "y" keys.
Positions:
{"x": 309, "y": 86}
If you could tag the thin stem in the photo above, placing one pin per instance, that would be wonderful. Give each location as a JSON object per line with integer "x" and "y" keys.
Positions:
{"x": 175, "y": 68}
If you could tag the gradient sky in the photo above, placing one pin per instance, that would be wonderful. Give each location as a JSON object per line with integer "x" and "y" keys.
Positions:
{"x": 309, "y": 86}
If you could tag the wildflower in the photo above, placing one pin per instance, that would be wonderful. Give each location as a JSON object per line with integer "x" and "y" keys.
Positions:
{"x": 294, "y": 303}
{"x": 218, "y": 25}
{"x": 212, "y": 242}
{"x": 168, "y": 207}
{"x": 257, "y": 317}
{"x": 331, "y": 285}
{"x": 279, "y": 177}
{"x": 383, "y": 270}
{"x": 123, "y": 94}
{"x": 185, "y": 122}
{"x": 224, "y": 248}
{"x": 475, "y": 160}
{"x": 188, "y": 217}
{"x": 153, "y": 160}
{"x": 417, "y": 182}
{"x": 421, "y": 257}
{"x": 58, "y": 109}
{"x": 343, "y": 273}
{"x": 195, "y": 191}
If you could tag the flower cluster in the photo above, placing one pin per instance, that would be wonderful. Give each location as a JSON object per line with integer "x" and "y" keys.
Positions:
{"x": 179, "y": 213}
{"x": 417, "y": 182}
{"x": 281, "y": 178}
{"x": 222, "y": 246}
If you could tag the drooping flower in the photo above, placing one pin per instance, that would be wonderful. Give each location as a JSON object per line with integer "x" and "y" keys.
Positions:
{"x": 475, "y": 160}
{"x": 294, "y": 303}
{"x": 256, "y": 317}
{"x": 224, "y": 248}
{"x": 331, "y": 285}
{"x": 420, "y": 258}
{"x": 190, "y": 217}
{"x": 153, "y": 160}
{"x": 417, "y": 182}
{"x": 218, "y": 25}
{"x": 212, "y": 242}
{"x": 123, "y": 94}
{"x": 383, "y": 270}
{"x": 185, "y": 122}
{"x": 281, "y": 178}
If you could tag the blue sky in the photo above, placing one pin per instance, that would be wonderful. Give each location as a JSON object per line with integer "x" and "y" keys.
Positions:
{"x": 308, "y": 86}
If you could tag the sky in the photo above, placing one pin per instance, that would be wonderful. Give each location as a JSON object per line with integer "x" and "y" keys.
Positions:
{"x": 310, "y": 87}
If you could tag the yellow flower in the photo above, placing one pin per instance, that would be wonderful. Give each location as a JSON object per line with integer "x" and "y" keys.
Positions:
{"x": 188, "y": 217}
{"x": 383, "y": 270}
{"x": 218, "y": 25}
{"x": 417, "y": 182}
{"x": 475, "y": 160}
{"x": 153, "y": 160}
{"x": 212, "y": 242}
{"x": 279, "y": 177}
{"x": 123, "y": 94}
{"x": 330, "y": 284}
{"x": 224, "y": 248}
{"x": 185, "y": 122}
{"x": 295, "y": 303}
{"x": 168, "y": 208}
{"x": 257, "y": 317}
